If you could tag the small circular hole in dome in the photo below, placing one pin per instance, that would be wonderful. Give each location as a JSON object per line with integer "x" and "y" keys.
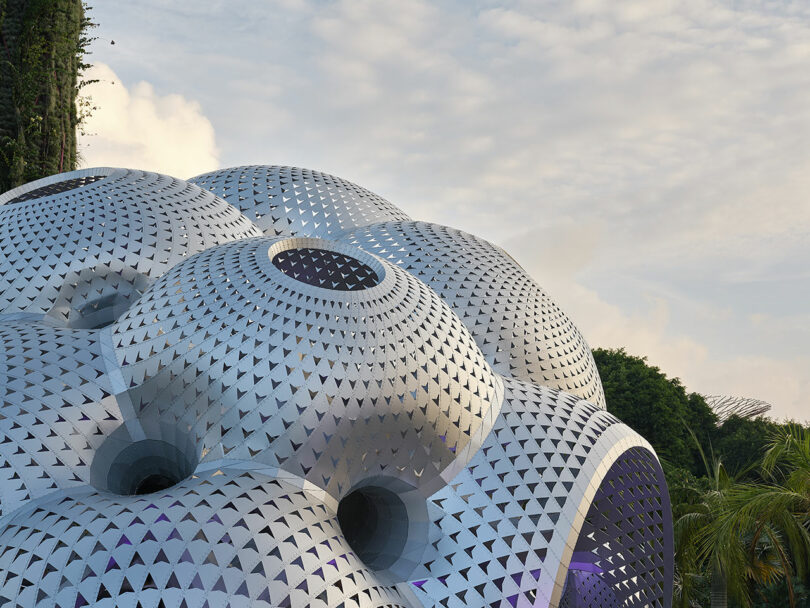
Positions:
{"x": 131, "y": 466}
{"x": 148, "y": 466}
{"x": 326, "y": 269}
{"x": 155, "y": 482}
{"x": 56, "y": 188}
{"x": 375, "y": 523}
{"x": 101, "y": 312}
{"x": 95, "y": 297}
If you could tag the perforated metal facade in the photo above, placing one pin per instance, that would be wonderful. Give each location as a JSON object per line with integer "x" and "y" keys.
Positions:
{"x": 284, "y": 392}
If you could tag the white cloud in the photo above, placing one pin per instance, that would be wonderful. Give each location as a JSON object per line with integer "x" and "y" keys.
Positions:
{"x": 135, "y": 127}
{"x": 782, "y": 382}
{"x": 647, "y": 161}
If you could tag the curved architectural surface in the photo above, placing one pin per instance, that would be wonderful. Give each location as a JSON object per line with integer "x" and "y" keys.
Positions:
{"x": 538, "y": 505}
{"x": 82, "y": 246}
{"x": 725, "y": 407}
{"x": 229, "y": 536}
{"x": 520, "y": 329}
{"x": 56, "y": 406}
{"x": 290, "y": 201}
{"x": 353, "y": 410}
{"x": 309, "y": 368}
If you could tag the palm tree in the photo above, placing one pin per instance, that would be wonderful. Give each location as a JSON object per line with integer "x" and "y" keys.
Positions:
{"x": 735, "y": 533}
{"x": 788, "y": 459}
{"x": 779, "y": 511}
{"x": 700, "y": 552}
{"x": 688, "y": 511}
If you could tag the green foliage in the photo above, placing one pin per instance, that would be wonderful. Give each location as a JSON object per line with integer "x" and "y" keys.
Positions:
{"x": 740, "y": 492}
{"x": 43, "y": 44}
{"x": 773, "y": 595}
{"x": 743, "y": 443}
{"x": 656, "y": 407}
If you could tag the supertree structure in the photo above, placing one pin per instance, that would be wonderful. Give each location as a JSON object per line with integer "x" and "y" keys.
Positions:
{"x": 726, "y": 406}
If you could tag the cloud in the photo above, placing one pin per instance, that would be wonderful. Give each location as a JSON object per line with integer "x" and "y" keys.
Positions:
{"x": 755, "y": 358}
{"x": 136, "y": 127}
{"x": 646, "y": 161}
{"x": 781, "y": 381}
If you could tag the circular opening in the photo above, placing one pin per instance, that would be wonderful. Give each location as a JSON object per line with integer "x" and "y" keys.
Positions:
{"x": 155, "y": 483}
{"x": 325, "y": 268}
{"x": 617, "y": 558}
{"x": 375, "y": 523}
{"x": 100, "y": 312}
{"x": 147, "y": 466}
{"x": 95, "y": 297}
{"x": 143, "y": 458}
{"x": 56, "y": 188}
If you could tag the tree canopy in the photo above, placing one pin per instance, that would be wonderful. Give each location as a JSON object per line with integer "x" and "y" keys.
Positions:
{"x": 44, "y": 43}
{"x": 740, "y": 491}
{"x": 656, "y": 407}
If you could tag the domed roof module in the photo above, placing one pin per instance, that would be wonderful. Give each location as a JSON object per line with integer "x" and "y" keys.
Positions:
{"x": 520, "y": 329}
{"x": 76, "y": 242}
{"x": 274, "y": 389}
{"x": 290, "y": 201}
{"x": 324, "y": 354}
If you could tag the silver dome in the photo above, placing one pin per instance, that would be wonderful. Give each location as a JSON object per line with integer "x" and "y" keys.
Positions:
{"x": 520, "y": 329}
{"x": 351, "y": 410}
{"x": 81, "y": 246}
{"x": 290, "y": 201}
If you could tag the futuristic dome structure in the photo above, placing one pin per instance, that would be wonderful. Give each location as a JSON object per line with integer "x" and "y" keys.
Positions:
{"x": 289, "y": 201}
{"x": 726, "y": 406}
{"x": 268, "y": 387}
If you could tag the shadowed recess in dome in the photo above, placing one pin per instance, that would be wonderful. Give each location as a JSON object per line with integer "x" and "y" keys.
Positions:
{"x": 332, "y": 407}
{"x": 57, "y": 188}
{"x": 327, "y": 269}
{"x": 375, "y": 523}
{"x": 148, "y": 466}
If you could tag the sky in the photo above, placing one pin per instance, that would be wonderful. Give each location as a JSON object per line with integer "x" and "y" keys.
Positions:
{"x": 646, "y": 161}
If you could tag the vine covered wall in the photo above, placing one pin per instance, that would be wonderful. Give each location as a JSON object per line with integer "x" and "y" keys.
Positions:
{"x": 43, "y": 44}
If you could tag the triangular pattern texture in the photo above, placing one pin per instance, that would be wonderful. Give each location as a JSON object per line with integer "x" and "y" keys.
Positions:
{"x": 110, "y": 236}
{"x": 284, "y": 393}
{"x": 290, "y": 201}
{"x": 520, "y": 329}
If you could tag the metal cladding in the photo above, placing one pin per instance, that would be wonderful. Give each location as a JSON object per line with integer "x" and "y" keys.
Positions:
{"x": 351, "y": 410}
{"x": 72, "y": 242}
{"x": 290, "y": 201}
{"x": 521, "y": 331}
{"x": 745, "y": 407}
{"x": 558, "y": 489}
{"x": 56, "y": 406}
{"x": 307, "y": 371}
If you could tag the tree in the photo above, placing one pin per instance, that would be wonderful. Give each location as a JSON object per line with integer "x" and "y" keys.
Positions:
{"x": 773, "y": 596}
{"x": 743, "y": 442}
{"x": 739, "y": 549}
{"x": 44, "y": 43}
{"x": 656, "y": 407}
{"x": 784, "y": 503}
{"x": 741, "y": 516}
{"x": 721, "y": 563}
{"x": 686, "y": 493}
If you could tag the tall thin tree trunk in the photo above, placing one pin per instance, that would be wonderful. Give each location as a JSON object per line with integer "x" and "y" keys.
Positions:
{"x": 719, "y": 592}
